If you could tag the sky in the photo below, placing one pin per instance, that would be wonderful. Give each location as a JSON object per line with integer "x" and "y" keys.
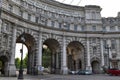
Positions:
{"x": 110, "y": 8}
{"x": 18, "y": 47}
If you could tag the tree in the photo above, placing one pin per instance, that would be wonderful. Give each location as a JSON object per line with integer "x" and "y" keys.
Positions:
{"x": 17, "y": 63}
{"x": 46, "y": 58}
{"x": 25, "y": 61}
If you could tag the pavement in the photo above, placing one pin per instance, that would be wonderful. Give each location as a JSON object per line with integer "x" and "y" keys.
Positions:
{"x": 65, "y": 77}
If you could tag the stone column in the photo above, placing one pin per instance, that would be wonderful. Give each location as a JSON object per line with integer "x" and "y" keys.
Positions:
{"x": 12, "y": 68}
{"x": 102, "y": 53}
{"x": 57, "y": 63}
{"x": 88, "y": 67}
{"x": 110, "y": 54}
{"x": 39, "y": 57}
{"x": 53, "y": 62}
{"x": 64, "y": 67}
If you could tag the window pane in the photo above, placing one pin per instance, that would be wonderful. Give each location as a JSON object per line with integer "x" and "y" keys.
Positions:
{"x": 75, "y": 27}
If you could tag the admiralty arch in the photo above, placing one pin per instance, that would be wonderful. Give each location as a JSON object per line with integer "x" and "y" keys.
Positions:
{"x": 77, "y": 36}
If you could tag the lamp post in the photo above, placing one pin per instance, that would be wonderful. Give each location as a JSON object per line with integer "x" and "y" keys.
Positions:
{"x": 20, "y": 76}
{"x": 108, "y": 48}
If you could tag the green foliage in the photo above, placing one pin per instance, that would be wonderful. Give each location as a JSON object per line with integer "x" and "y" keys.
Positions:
{"x": 46, "y": 58}
{"x": 25, "y": 60}
{"x": 17, "y": 63}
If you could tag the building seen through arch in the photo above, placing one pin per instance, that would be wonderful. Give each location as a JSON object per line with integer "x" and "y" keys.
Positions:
{"x": 77, "y": 38}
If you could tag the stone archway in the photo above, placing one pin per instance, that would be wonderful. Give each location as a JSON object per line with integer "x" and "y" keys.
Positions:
{"x": 29, "y": 42}
{"x": 4, "y": 65}
{"x": 75, "y": 56}
{"x": 52, "y": 56}
{"x": 95, "y": 67}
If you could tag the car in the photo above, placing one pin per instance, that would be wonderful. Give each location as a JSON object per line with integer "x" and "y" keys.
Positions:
{"x": 85, "y": 72}
{"x": 114, "y": 71}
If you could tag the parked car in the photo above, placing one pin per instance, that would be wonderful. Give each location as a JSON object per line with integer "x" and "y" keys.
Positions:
{"x": 85, "y": 72}
{"x": 114, "y": 71}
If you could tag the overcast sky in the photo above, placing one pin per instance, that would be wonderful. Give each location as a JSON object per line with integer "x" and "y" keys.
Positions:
{"x": 18, "y": 47}
{"x": 110, "y": 8}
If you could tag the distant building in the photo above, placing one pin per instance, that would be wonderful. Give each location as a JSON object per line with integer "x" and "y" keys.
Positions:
{"x": 78, "y": 37}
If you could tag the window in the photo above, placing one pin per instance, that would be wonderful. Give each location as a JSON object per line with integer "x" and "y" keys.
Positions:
{"x": 46, "y": 22}
{"x": 104, "y": 28}
{"x": 67, "y": 26}
{"x": 113, "y": 44}
{"x": 82, "y": 28}
{"x": 10, "y": 7}
{"x": 75, "y": 27}
{"x": 118, "y": 28}
{"x": 5, "y": 27}
{"x": 53, "y": 15}
{"x": 93, "y": 15}
{"x": 21, "y": 13}
{"x": 94, "y": 40}
{"x": 94, "y": 28}
{"x": 60, "y": 25}
{"x": 52, "y": 23}
{"x": 36, "y": 19}
{"x": 112, "y": 28}
{"x": 29, "y": 16}
{"x": 104, "y": 43}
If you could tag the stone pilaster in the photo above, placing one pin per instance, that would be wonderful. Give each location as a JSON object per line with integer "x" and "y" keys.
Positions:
{"x": 109, "y": 45}
{"x": 12, "y": 68}
{"x": 88, "y": 67}
{"x": 118, "y": 48}
{"x": 53, "y": 63}
{"x": 64, "y": 67}
{"x": 110, "y": 53}
{"x": 39, "y": 57}
{"x": 57, "y": 62}
{"x": 102, "y": 53}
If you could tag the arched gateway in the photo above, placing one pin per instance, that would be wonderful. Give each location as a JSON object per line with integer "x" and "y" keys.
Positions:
{"x": 73, "y": 34}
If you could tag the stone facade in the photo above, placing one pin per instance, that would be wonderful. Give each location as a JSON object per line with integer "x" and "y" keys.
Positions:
{"x": 77, "y": 36}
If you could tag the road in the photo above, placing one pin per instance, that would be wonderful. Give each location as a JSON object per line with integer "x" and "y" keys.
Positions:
{"x": 65, "y": 77}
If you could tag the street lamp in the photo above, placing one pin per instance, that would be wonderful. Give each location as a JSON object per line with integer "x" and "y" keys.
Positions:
{"x": 20, "y": 76}
{"x": 108, "y": 49}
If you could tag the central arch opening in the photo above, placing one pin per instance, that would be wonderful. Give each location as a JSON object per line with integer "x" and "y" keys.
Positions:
{"x": 51, "y": 56}
{"x": 30, "y": 55}
{"x": 75, "y": 56}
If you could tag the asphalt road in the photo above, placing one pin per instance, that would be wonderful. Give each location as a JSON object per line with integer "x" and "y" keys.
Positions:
{"x": 65, "y": 77}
